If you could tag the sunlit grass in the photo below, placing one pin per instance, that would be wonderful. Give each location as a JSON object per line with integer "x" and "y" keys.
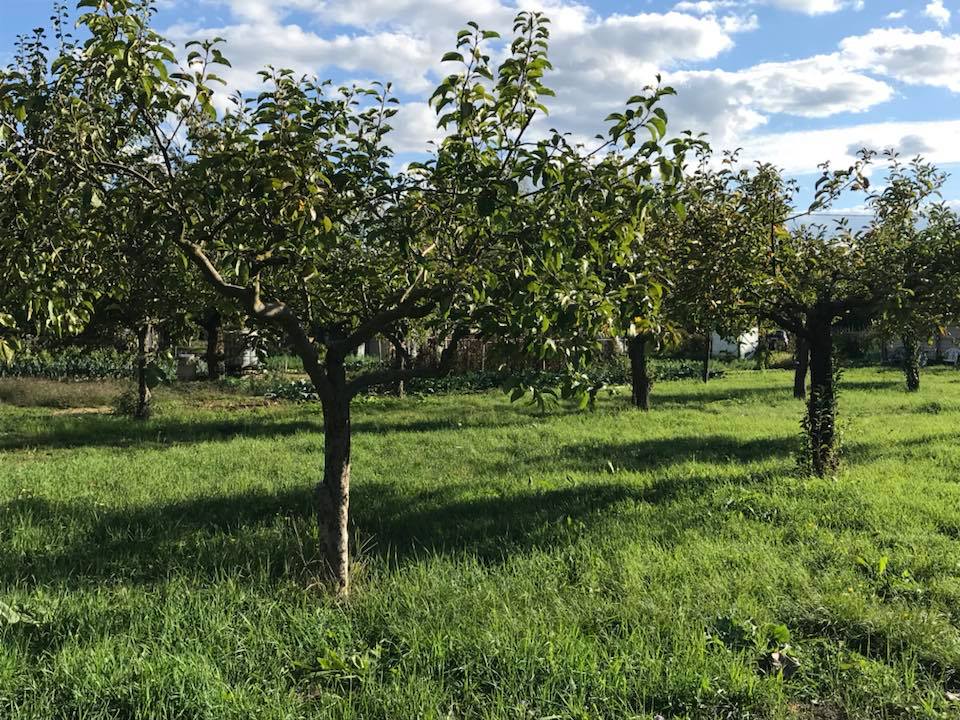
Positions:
{"x": 510, "y": 565}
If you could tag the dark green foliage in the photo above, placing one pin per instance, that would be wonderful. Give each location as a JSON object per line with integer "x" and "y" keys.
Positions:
{"x": 73, "y": 363}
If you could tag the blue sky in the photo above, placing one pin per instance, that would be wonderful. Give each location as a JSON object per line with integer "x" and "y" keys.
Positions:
{"x": 794, "y": 82}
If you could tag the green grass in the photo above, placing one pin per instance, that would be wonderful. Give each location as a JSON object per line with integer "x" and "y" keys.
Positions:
{"x": 578, "y": 565}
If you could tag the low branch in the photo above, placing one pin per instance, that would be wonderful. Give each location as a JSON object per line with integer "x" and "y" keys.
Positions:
{"x": 275, "y": 312}
{"x": 414, "y": 305}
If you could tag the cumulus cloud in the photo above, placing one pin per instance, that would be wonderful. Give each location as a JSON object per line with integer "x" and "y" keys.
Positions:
{"x": 936, "y": 11}
{"x": 807, "y": 7}
{"x": 799, "y": 152}
{"x": 927, "y": 58}
{"x": 385, "y": 54}
{"x": 601, "y": 60}
{"x": 896, "y": 15}
{"x": 908, "y": 146}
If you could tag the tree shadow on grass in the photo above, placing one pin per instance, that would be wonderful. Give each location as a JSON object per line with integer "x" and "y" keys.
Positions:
{"x": 266, "y": 536}
{"x": 720, "y": 391}
{"x": 112, "y": 432}
{"x": 656, "y": 454}
{"x": 105, "y": 431}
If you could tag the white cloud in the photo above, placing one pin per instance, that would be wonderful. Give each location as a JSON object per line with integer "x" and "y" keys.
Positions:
{"x": 415, "y": 125}
{"x": 705, "y": 7}
{"x": 739, "y": 23}
{"x": 807, "y": 7}
{"x": 730, "y": 104}
{"x": 800, "y": 152}
{"x": 601, "y": 60}
{"x": 928, "y": 58}
{"x": 896, "y": 15}
{"x": 936, "y": 11}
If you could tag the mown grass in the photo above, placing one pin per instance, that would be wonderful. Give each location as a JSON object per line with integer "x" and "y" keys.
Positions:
{"x": 574, "y": 565}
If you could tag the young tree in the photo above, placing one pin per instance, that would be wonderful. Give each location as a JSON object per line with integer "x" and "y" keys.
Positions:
{"x": 721, "y": 248}
{"x": 919, "y": 233}
{"x": 49, "y": 273}
{"x": 290, "y": 207}
{"x": 822, "y": 278}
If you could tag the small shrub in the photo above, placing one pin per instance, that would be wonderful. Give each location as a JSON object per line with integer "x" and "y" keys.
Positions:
{"x": 298, "y": 390}
{"x": 127, "y": 402}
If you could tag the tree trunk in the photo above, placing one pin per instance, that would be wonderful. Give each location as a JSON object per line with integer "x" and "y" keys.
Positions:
{"x": 707, "y": 350}
{"x": 399, "y": 364}
{"x": 216, "y": 356}
{"x": 822, "y": 406}
{"x": 639, "y": 372}
{"x": 142, "y": 411}
{"x": 800, "y": 372}
{"x": 333, "y": 494}
{"x": 911, "y": 362}
{"x": 761, "y": 355}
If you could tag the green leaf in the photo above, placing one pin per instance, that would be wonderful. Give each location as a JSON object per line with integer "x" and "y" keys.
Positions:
{"x": 154, "y": 375}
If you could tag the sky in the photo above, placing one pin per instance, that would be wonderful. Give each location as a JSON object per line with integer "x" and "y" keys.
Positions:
{"x": 792, "y": 82}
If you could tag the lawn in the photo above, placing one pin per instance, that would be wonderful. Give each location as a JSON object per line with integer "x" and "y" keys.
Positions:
{"x": 606, "y": 564}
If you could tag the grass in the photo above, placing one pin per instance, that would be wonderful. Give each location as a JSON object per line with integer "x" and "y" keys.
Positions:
{"x": 576, "y": 565}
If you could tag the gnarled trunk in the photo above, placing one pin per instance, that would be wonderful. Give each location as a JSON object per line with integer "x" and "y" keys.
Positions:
{"x": 800, "y": 371}
{"x": 707, "y": 351}
{"x": 333, "y": 493}
{"x": 639, "y": 372}
{"x": 216, "y": 360}
{"x": 911, "y": 362}
{"x": 144, "y": 338}
{"x": 822, "y": 406}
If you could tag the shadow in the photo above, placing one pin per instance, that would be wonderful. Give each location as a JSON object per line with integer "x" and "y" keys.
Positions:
{"x": 108, "y": 431}
{"x": 65, "y": 432}
{"x": 261, "y": 536}
{"x": 655, "y": 454}
{"x": 719, "y": 391}
{"x": 891, "y": 384}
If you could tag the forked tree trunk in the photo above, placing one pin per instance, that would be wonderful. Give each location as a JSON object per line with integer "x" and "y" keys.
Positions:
{"x": 333, "y": 493}
{"x": 800, "y": 372}
{"x": 639, "y": 372}
{"x": 707, "y": 351}
{"x": 142, "y": 411}
{"x": 911, "y": 362}
{"x": 216, "y": 354}
{"x": 822, "y": 407}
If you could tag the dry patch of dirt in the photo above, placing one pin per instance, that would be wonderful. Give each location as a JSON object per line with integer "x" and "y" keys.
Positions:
{"x": 102, "y": 410}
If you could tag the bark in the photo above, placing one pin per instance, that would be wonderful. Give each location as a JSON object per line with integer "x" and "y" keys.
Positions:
{"x": 639, "y": 372}
{"x": 401, "y": 358}
{"x": 800, "y": 372}
{"x": 333, "y": 493}
{"x": 707, "y": 350}
{"x": 761, "y": 355}
{"x": 911, "y": 362}
{"x": 142, "y": 411}
{"x": 822, "y": 407}
{"x": 216, "y": 359}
